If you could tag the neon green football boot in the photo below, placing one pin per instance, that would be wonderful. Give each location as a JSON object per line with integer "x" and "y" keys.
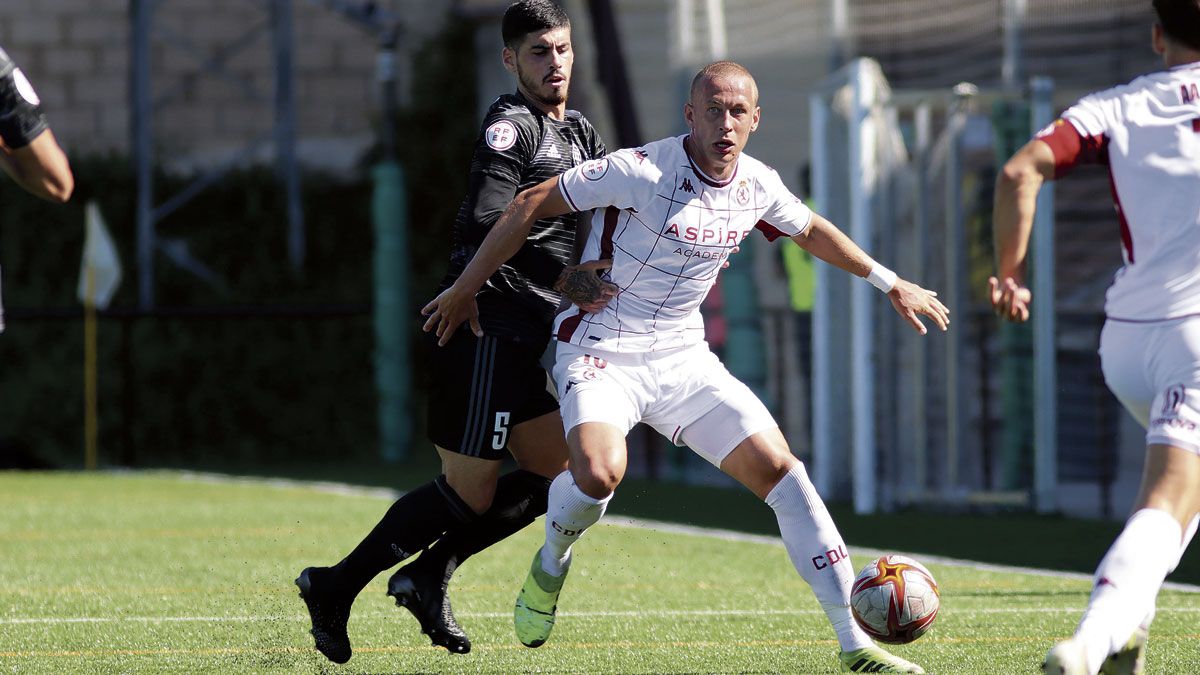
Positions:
{"x": 1131, "y": 660}
{"x": 533, "y": 615}
{"x": 875, "y": 660}
{"x": 1066, "y": 658}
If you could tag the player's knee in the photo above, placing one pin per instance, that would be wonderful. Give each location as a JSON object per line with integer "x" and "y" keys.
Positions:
{"x": 545, "y": 465}
{"x": 475, "y": 493}
{"x": 772, "y": 474}
{"x": 597, "y": 479}
{"x": 769, "y": 470}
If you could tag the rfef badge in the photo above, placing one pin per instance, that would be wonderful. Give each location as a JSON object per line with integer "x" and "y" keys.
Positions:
{"x": 500, "y": 135}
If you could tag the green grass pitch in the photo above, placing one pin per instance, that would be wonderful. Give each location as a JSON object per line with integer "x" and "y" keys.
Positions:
{"x": 154, "y": 573}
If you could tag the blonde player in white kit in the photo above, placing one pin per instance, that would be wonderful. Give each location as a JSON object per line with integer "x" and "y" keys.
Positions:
{"x": 1148, "y": 133}
{"x": 668, "y": 215}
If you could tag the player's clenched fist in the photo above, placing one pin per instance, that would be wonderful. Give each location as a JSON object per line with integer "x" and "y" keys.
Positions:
{"x": 21, "y": 118}
{"x": 909, "y": 300}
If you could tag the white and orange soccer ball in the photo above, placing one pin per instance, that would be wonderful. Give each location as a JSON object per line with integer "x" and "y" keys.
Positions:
{"x": 895, "y": 599}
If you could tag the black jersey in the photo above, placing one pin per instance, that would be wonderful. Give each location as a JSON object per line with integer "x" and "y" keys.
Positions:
{"x": 518, "y": 147}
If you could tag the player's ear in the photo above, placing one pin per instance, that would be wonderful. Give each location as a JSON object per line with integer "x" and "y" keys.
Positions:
{"x": 688, "y": 114}
{"x": 1158, "y": 39}
{"x": 509, "y": 58}
{"x": 757, "y": 118}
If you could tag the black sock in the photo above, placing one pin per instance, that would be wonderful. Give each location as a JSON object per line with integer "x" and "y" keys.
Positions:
{"x": 520, "y": 498}
{"x": 412, "y": 523}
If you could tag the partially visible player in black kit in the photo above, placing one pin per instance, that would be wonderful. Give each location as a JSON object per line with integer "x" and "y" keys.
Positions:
{"x": 490, "y": 392}
{"x": 29, "y": 153}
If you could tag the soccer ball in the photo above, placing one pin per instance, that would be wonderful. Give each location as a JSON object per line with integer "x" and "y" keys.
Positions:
{"x": 895, "y": 599}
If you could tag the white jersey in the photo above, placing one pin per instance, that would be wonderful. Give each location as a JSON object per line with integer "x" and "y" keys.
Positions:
{"x": 668, "y": 228}
{"x": 1148, "y": 132}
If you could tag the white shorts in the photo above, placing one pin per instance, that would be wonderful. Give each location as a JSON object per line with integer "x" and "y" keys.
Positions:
{"x": 670, "y": 390}
{"x": 1154, "y": 371}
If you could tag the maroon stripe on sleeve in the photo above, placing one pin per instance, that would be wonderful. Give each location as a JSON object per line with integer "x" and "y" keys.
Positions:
{"x": 768, "y": 230}
{"x": 1072, "y": 148}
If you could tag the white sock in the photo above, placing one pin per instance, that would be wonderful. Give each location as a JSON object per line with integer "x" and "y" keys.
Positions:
{"x": 569, "y": 513}
{"x": 818, "y": 552}
{"x": 1127, "y": 582}
{"x": 1188, "y": 534}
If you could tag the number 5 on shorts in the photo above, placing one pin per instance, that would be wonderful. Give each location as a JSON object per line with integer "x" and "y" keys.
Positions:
{"x": 500, "y": 436}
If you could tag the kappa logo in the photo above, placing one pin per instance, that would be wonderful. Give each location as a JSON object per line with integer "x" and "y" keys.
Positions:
{"x": 1173, "y": 398}
{"x": 501, "y": 135}
{"x": 686, "y": 186}
{"x": 595, "y": 169}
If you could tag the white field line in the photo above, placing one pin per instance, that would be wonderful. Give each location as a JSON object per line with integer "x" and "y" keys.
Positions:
{"x": 329, "y": 487}
{"x": 660, "y": 526}
{"x": 635, "y": 614}
{"x": 733, "y": 535}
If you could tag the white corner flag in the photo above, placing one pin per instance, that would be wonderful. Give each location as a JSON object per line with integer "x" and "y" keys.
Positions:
{"x": 100, "y": 269}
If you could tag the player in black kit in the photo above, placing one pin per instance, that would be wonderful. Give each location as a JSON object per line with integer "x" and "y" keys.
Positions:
{"x": 490, "y": 393}
{"x": 29, "y": 153}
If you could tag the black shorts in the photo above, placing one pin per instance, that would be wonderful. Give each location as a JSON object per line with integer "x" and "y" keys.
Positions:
{"x": 482, "y": 388}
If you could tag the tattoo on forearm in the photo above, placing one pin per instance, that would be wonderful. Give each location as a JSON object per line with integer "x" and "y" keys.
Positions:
{"x": 582, "y": 287}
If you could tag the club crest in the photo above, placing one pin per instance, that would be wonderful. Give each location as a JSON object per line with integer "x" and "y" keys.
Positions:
{"x": 742, "y": 193}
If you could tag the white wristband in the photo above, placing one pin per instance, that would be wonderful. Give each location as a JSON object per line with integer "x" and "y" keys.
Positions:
{"x": 882, "y": 278}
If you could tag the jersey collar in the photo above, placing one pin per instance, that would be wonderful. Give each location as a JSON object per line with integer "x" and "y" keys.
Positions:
{"x": 705, "y": 178}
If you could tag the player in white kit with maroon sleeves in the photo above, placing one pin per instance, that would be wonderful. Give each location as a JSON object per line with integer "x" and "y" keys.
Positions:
{"x": 668, "y": 215}
{"x": 1148, "y": 134}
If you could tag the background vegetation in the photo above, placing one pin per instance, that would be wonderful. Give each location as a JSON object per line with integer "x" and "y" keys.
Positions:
{"x": 248, "y": 380}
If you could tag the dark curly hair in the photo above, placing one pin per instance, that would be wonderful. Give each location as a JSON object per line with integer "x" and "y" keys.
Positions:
{"x": 530, "y": 16}
{"x": 1180, "y": 20}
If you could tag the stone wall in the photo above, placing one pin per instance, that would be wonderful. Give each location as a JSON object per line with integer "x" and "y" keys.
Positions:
{"x": 77, "y": 54}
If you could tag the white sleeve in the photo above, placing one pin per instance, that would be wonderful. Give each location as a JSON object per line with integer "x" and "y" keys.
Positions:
{"x": 625, "y": 179}
{"x": 1089, "y": 116}
{"x": 785, "y": 213}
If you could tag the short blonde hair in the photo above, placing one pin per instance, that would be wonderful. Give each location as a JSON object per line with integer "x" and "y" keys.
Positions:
{"x": 723, "y": 70}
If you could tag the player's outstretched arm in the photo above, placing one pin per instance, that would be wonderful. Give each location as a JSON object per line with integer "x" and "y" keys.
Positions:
{"x": 29, "y": 152}
{"x": 1017, "y": 189}
{"x": 456, "y": 304}
{"x": 825, "y": 241}
{"x": 40, "y": 167}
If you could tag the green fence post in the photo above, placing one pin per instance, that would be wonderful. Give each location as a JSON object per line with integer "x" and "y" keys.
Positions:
{"x": 1010, "y": 120}
{"x": 389, "y": 213}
